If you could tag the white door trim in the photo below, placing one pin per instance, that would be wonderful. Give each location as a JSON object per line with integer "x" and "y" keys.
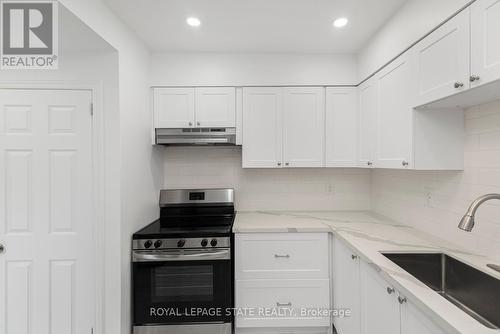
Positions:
{"x": 96, "y": 88}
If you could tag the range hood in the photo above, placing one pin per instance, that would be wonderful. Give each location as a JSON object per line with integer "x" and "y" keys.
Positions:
{"x": 196, "y": 136}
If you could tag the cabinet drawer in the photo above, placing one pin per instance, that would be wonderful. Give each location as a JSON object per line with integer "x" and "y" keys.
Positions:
{"x": 282, "y": 255}
{"x": 289, "y": 297}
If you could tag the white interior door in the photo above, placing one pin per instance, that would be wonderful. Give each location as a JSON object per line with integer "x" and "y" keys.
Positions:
{"x": 485, "y": 34}
{"x": 47, "y": 273}
{"x": 304, "y": 127}
{"x": 262, "y": 127}
{"x": 216, "y": 107}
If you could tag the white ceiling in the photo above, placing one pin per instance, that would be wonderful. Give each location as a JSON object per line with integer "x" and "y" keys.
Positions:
{"x": 297, "y": 26}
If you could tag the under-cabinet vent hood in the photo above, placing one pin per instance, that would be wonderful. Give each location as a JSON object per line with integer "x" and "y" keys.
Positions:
{"x": 196, "y": 136}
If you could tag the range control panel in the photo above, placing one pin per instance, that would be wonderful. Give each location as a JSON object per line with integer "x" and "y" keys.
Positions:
{"x": 188, "y": 243}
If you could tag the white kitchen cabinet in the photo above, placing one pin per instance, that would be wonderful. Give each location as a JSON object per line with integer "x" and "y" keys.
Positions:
{"x": 346, "y": 292}
{"x": 368, "y": 103}
{"x": 282, "y": 272}
{"x": 194, "y": 107}
{"x": 215, "y": 107}
{"x": 174, "y": 107}
{"x": 291, "y": 296}
{"x": 379, "y": 303}
{"x": 283, "y": 127}
{"x": 394, "y": 114}
{"x": 262, "y": 127}
{"x": 304, "y": 127}
{"x": 485, "y": 49}
{"x": 281, "y": 256}
{"x": 443, "y": 60}
{"x": 341, "y": 127}
{"x": 413, "y": 321}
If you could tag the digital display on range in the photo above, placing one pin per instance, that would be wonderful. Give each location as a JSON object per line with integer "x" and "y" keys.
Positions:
{"x": 197, "y": 196}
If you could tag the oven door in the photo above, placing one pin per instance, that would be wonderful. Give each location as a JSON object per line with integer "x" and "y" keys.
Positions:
{"x": 182, "y": 286}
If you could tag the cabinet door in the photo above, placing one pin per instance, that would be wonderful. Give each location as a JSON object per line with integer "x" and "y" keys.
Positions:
{"x": 341, "y": 131}
{"x": 379, "y": 303}
{"x": 173, "y": 107}
{"x": 394, "y": 115}
{"x": 262, "y": 127}
{"x": 216, "y": 107}
{"x": 485, "y": 62}
{"x": 443, "y": 60}
{"x": 413, "y": 321}
{"x": 367, "y": 119}
{"x": 346, "y": 294}
{"x": 304, "y": 129}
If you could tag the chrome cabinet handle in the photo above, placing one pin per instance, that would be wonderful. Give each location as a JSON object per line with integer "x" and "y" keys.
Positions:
{"x": 474, "y": 78}
{"x": 354, "y": 257}
{"x": 459, "y": 84}
{"x": 402, "y": 300}
{"x": 198, "y": 123}
{"x": 2, "y": 248}
{"x": 190, "y": 123}
{"x": 390, "y": 290}
{"x": 279, "y": 164}
{"x": 283, "y": 305}
{"x": 277, "y": 256}
{"x": 405, "y": 163}
{"x": 287, "y": 164}
{"x": 369, "y": 163}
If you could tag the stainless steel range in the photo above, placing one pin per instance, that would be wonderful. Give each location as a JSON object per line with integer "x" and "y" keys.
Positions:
{"x": 183, "y": 265}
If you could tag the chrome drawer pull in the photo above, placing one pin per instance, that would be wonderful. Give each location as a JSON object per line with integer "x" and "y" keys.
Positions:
{"x": 283, "y": 305}
{"x": 281, "y": 256}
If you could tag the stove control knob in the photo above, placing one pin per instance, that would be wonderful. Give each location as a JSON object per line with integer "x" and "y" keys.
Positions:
{"x": 158, "y": 243}
{"x": 213, "y": 242}
{"x": 148, "y": 244}
{"x": 181, "y": 243}
{"x": 204, "y": 243}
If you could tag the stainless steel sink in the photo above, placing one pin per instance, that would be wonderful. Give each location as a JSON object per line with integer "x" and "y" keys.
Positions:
{"x": 473, "y": 291}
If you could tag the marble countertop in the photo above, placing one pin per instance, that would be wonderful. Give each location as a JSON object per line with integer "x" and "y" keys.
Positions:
{"x": 369, "y": 235}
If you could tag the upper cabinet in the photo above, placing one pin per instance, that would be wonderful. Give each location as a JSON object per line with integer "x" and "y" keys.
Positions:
{"x": 485, "y": 36}
{"x": 194, "y": 107}
{"x": 341, "y": 127}
{"x": 443, "y": 60}
{"x": 394, "y": 115}
{"x": 262, "y": 127}
{"x": 283, "y": 127}
{"x": 174, "y": 107}
{"x": 303, "y": 127}
{"x": 368, "y": 103}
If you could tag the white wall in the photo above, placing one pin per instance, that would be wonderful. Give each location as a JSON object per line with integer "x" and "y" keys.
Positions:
{"x": 177, "y": 69}
{"x": 267, "y": 189}
{"x": 134, "y": 178}
{"x": 415, "y": 19}
{"x": 436, "y": 201}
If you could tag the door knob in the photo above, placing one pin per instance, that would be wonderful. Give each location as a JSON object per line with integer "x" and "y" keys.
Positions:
{"x": 2, "y": 248}
{"x": 459, "y": 84}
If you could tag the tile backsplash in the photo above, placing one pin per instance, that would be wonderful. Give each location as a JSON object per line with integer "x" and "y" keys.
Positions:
{"x": 436, "y": 201}
{"x": 267, "y": 189}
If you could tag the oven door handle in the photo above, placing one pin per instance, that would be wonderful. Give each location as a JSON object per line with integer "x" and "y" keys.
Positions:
{"x": 182, "y": 255}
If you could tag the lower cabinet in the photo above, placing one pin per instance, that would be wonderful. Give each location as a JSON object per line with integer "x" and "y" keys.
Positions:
{"x": 376, "y": 306}
{"x": 379, "y": 302}
{"x": 282, "y": 283}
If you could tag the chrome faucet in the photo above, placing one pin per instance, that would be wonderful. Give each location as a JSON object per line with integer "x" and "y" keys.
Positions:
{"x": 467, "y": 222}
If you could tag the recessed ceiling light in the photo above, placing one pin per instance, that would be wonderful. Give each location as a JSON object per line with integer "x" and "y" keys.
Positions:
{"x": 193, "y": 21}
{"x": 340, "y": 22}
